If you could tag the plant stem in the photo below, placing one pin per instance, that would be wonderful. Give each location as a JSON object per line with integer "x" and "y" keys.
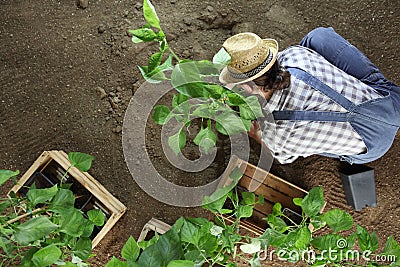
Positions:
{"x": 24, "y": 215}
{"x": 173, "y": 54}
{"x": 65, "y": 174}
{"x": 287, "y": 217}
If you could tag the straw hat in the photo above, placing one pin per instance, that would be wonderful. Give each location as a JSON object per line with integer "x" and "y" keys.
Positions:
{"x": 251, "y": 57}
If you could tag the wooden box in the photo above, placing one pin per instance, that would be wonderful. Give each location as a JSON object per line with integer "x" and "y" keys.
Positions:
{"x": 153, "y": 225}
{"x": 273, "y": 188}
{"x": 50, "y": 168}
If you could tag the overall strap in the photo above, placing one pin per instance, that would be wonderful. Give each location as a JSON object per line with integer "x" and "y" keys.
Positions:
{"x": 316, "y": 115}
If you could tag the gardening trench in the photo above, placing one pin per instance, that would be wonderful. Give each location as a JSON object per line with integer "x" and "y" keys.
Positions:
{"x": 69, "y": 69}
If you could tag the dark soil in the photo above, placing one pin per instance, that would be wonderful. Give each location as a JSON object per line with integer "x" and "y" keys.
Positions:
{"x": 68, "y": 71}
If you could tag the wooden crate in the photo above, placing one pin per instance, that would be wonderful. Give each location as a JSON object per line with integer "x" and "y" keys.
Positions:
{"x": 261, "y": 182}
{"x": 154, "y": 225}
{"x": 50, "y": 168}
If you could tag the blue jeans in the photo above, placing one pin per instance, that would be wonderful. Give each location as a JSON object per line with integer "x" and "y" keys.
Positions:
{"x": 376, "y": 121}
{"x": 345, "y": 56}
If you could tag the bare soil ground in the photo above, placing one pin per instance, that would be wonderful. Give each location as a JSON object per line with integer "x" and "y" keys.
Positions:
{"x": 68, "y": 71}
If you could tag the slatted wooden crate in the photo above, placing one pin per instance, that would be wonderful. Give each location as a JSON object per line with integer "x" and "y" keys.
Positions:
{"x": 50, "y": 168}
{"x": 153, "y": 225}
{"x": 273, "y": 188}
{"x": 259, "y": 181}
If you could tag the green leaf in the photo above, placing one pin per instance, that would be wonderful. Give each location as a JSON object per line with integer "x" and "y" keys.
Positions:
{"x": 155, "y": 76}
{"x": 87, "y": 229}
{"x": 154, "y": 61}
{"x": 251, "y": 109}
{"x": 187, "y": 79}
{"x": 329, "y": 242}
{"x": 214, "y": 90}
{"x": 46, "y": 256}
{"x": 150, "y": 14}
{"x": 178, "y": 99}
{"x": 161, "y": 114}
{"x": 96, "y": 216}
{"x": 313, "y": 202}
{"x": 167, "y": 248}
{"x": 277, "y": 209}
{"x": 230, "y": 122}
{"x": 27, "y": 259}
{"x": 34, "y": 229}
{"x": 215, "y": 202}
{"x": 4, "y": 205}
{"x": 63, "y": 201}
{"x": 338, "y": 220}
{"x": 114, "y": 262}
{"x": 80, "y": 160}
{"x": 248, "y": 198}
{"x": 303, "y": 238}
{"x": 130, "y": 251}
{"x": 37, "y": 196}
{"x": 207, "y": 68}
{"x": 163, "y": 44}
{"x": 234, "y": 99}
{"x": 246, "y": 124}
{"x": 216, "y": 230}
{"x": 392, "y": 248}
{"x": 271, "y": 237}
{"x": 297, "y": 201}
{"x": 181, "y": 263}
{"x": 207, "y": 242}
{"x": 260, "y": 199}
{"x": 277, "y": 223}
{"x": 221, "y": 128}
{"x": 6, "y": 174}
{"x": 72, "y": 223}
{"x": 222, "y": 57}
{"x": 82, "y": 248}
{"x": 177, "y": 141}
{"x": 255, "y": 261}
{"x": 245, "y": 212}
{"x": 143, "y": 35}
{"x": 189, "y": 233}
{"x": 365, "y": 240}
{"x": 317, "y": 222}
{"x": 253, "y": 247}
{"x": 206, "y": 139}
{"x": 167, "y": 65}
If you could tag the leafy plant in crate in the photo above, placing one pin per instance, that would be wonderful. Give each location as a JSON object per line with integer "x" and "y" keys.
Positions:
{"x": 315, "y": 239}
{"x": 197, "y": 96}
{"x": 43, "y": 227}
{"x": 197, "y": 241}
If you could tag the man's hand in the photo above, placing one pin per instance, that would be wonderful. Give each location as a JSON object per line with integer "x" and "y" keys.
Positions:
{"x": 255, "y": 132}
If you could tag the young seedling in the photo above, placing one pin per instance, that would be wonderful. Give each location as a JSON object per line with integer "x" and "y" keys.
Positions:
{"x": 218, "y": 109}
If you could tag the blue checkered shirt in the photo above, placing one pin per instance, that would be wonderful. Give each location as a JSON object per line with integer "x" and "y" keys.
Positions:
{"x": 289, "y": 140}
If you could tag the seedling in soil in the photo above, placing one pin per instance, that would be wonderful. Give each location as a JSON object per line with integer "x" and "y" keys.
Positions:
{"x": 219, "y": 109}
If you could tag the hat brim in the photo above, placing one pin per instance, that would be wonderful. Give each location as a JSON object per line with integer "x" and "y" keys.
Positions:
{"x": 226, "y": 78}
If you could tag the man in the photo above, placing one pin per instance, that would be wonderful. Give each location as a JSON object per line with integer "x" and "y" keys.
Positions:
{"x": 325, "y": 96}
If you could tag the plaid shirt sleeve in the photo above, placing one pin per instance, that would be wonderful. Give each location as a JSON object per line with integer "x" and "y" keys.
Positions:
{"x": 289, "y": 140}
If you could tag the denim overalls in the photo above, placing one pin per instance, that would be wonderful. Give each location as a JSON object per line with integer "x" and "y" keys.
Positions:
{"x": 376, "y": 121}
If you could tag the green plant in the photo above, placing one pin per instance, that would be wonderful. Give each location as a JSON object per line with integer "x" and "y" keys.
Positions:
{"x": 196, "y": 241}
{"x": 44, "y": 228}
{"x": 219, "y": 109}
{"x": 317, "y": 239}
